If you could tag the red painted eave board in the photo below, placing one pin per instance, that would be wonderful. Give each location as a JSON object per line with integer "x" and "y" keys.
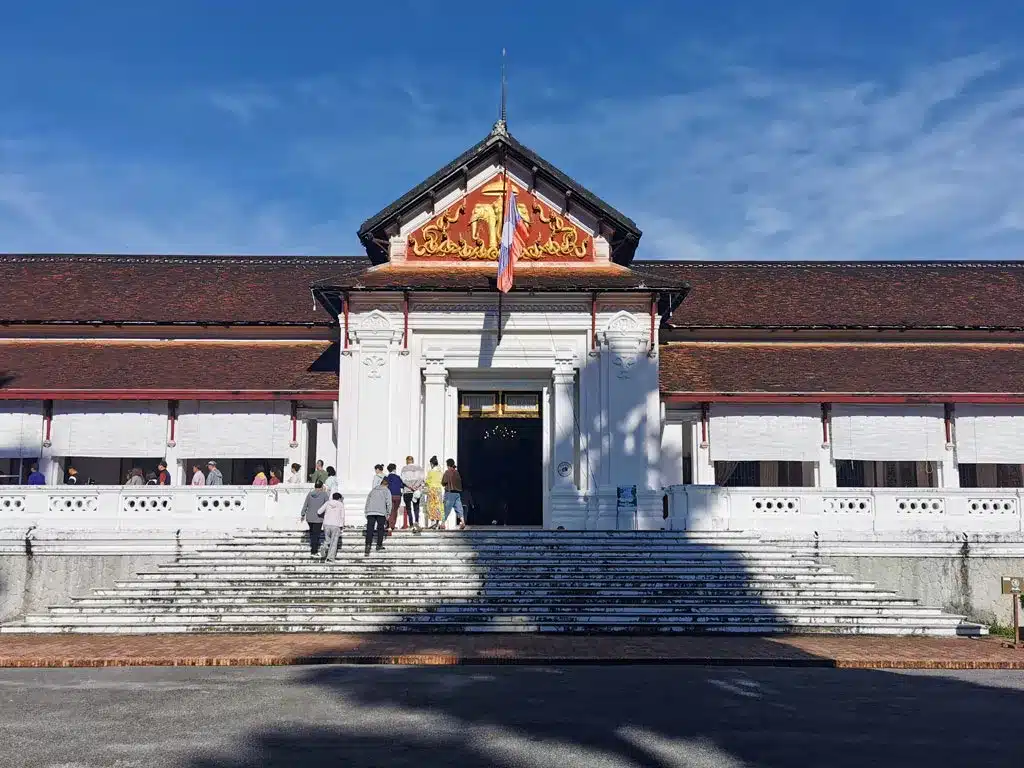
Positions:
{"x": 160, "y": 394}
{"x": 881, "y": 398}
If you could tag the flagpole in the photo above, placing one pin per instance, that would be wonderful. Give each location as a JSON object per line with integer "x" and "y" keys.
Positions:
{"x": 504, "y": 191}
{"x": 504, "y": 217}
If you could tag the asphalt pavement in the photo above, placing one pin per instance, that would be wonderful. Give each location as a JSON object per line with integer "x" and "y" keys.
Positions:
{"x": 598, "y": 717}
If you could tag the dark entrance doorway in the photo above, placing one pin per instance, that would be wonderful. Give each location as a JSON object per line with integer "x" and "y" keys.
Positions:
{"x": 501, "y": 458}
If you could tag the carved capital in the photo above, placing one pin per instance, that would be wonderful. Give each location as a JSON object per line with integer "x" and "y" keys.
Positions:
{"x": 435, "y": 370}
{"x": 375, "y": 330}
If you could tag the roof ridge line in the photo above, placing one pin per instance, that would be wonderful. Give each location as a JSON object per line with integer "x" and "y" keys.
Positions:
{"x": 177, "y": 258}
{"x": 641, "y": 263}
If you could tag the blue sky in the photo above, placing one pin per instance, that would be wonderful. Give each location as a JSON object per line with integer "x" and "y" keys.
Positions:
{"x": 726, "y": 130}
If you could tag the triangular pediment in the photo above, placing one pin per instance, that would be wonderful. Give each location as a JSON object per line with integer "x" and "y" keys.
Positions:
{"x": 455, "y": 215}
{"x": 469, "y": 229}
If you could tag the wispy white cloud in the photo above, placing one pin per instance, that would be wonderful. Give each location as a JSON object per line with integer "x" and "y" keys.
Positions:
{"x": 766, "y": 166}
{"x": 59, "y": 198}
{"x": 750, "y": 163}
{"x": 243, "y": 104}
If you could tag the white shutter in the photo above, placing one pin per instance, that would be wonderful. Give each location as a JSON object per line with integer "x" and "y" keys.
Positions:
{"x": 765, "y": 432}
{"x": 109, "y": 429}
{"x": 21, "y": 429}
{"x": 990, "y": 434}
{"x": 234, "y": 430}
{"x": 888, "y": 432}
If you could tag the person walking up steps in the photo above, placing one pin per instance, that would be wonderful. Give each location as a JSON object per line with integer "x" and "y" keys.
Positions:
{"x": 333, "y": 514}
{"x": 395, "y": 486}
{"x": 452, "y": 482}
{"x": 412, "y": 482}
{"x": 310, "y": 513}
{"x": 434, "y": 494}
{"x": 378, "y": 507}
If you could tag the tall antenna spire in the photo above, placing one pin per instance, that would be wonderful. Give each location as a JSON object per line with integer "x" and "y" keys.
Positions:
{"x": 502, "y": 125}
{"x": 504, "y": 89}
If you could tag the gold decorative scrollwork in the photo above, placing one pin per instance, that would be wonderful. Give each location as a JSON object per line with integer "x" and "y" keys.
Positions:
{"x": 478, "y": 237}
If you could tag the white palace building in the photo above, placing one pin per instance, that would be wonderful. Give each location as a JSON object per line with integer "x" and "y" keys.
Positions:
{"x": 862, "y": 407}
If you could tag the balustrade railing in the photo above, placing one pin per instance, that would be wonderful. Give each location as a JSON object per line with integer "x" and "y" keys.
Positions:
{"x": 112, "y": 509}
{"x": 847, "y": 512}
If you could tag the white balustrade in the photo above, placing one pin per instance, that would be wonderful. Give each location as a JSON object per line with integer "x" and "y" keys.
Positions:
{"x": 831, "y": 514}
{"x": 167, "y": 510}
{"x": 850, "y": 513}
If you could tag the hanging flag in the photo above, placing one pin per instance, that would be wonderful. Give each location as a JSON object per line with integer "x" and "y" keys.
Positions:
{"x": 513, "y": 241}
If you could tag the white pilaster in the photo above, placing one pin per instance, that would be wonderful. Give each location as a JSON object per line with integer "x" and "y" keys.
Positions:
{"x": 629, "y": 380}
{"x": 435, "y": 384}
{"x": 564, "y": 437}
{"x": 371, "y": 367}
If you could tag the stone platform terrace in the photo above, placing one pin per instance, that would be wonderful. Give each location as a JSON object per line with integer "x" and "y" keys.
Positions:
{"x": 452, "y": 650}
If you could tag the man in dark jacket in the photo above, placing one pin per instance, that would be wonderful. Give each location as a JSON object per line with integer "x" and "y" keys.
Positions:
{"x": 378, "y": 507}
{"x": 310, "y": 513}
{"x": 163, "y": 477}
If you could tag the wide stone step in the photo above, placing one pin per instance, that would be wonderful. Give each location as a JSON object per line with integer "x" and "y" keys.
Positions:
{"x": 324, "y": 621}
{"x": 498, "y": 581}
{"x": 383, "y": 565}
{"x": 592, "y": 538}
{"x": 941, "y": 629}
{"x": 231, "y": 592}
{"x": 413, "y": 542}
{"x": 426, "y": 556}
{"x": 384, "y": 601}
{"x": 409, "y": 582}
{"x": 572, "y": 611}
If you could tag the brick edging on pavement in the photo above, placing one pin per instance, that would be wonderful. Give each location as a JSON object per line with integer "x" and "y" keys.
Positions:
{"x": 90, "y": 651}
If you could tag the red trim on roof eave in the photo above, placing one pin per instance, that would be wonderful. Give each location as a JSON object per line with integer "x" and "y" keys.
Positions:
{"x": 162, "y": 394}
{"x": 825, "y": 397}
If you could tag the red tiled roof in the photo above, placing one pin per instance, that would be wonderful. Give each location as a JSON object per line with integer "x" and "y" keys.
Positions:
{"x": 778, "y": 367}
{"x": 168, "y": 365}
{"x": 529, "y": 276}
{"x": 165, "y": 289}
{"x": 917, "y": 295}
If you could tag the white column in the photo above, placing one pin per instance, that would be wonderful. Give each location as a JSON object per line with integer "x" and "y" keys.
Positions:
{"x": 700, "y": 449}
{"x": 672, "y": 450}
{"x": 564, "y": 437}
{"x": 180, "y": 474}
{"x": 949, "y": 475}
{"x": 825, "y": 469}
{"x": 435, "y": 378}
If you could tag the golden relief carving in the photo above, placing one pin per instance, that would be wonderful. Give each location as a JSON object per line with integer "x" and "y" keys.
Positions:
{"x": 477, "y": 237}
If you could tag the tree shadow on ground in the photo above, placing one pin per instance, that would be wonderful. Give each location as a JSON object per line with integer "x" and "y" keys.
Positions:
{"x": 644, "y": 716}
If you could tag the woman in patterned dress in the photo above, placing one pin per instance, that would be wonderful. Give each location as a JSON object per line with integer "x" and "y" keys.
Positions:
{"x": 434, "y": 494}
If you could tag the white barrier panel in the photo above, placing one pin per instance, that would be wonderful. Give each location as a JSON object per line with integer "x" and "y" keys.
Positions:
{"x": 848, "y": 513}
{"x": 115, "y": 509}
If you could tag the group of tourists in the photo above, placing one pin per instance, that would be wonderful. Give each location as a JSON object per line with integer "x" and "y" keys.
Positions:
{"x": 440, "y": 493}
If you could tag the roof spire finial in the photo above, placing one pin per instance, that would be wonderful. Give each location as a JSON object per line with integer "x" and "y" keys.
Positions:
{"x": 501, "y": 126}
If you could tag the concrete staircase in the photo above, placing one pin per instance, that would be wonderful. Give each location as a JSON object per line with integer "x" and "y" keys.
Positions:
{"x": 498, "y": 581}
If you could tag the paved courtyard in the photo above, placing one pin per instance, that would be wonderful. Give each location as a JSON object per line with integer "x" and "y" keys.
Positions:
{"x": 593, "y": 716}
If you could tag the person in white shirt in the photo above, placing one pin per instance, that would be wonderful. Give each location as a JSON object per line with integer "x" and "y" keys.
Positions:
{"x": 413, "y": 479}
{"x": 332, "y": 480}
{"x": 333, "y": 513}
{"x": 198, "y": 478}
{"x": 295, "y": 476}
